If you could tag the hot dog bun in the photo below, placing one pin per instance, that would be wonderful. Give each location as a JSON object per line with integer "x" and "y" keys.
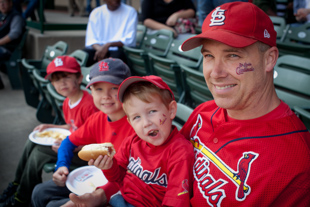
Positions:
{"x": 92, "y": 151}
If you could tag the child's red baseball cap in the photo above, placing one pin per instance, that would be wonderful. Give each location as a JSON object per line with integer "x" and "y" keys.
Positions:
{"x": 237, "y": 24}
{"x": 63, "y": 64}
{"x": 157, "y": 81}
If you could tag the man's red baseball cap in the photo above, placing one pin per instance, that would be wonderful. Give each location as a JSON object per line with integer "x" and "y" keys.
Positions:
{"x": 63, "y": 64}
{"x": 157, "y": 81}
{"x": 237, "y": 24}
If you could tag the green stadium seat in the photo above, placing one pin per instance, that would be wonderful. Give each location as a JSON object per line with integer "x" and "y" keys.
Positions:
{"x": 196, "y": 89}
{"x": 28, "y": 65}
{"x": 292, "y": 80}
{"x": 168, "y": 67}
{"x": 295, "y": 41}
{"x": 183, "y": 112}
{"x": 279, "y": 25}
{"x": 156, "y": 42}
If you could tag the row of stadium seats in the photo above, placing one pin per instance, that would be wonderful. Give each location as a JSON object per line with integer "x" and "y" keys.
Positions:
{"x": 159, "y": 53}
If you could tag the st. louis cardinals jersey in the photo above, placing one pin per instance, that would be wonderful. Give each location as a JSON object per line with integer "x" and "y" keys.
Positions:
{"x": 259, "y": 162}
{"x": 77, "y": 115}
{"x": 157, "y": 175}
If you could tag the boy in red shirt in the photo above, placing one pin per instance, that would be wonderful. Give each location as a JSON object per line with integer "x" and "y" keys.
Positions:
{"x": 108, "y": 125}
{"x": 153, "y": 167}
{"x": 64, "y": 72}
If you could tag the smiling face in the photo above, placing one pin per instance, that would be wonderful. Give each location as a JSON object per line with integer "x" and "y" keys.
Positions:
{"x": 66, "y": 84}
{"x": 151, "y": 120}
{"x": 240, "y": 79}
{"x": 105, "y": 99}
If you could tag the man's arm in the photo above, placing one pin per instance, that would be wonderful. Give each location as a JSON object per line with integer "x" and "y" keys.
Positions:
{"x": 102, "y": 50}
{"x": 16, "y": 30}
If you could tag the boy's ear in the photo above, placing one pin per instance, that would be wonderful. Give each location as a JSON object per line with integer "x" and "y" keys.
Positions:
{"x": 173, "y": 109}
{"x": 80, "y": 78}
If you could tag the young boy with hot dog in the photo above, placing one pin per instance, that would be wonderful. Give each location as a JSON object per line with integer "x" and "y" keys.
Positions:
{"x": 64, "y": 72}
{"x": 153, "y": 167}
{"x": 108, "y": 125}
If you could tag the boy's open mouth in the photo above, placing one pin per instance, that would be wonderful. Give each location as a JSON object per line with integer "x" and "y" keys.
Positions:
{"x": 153, "y": 133}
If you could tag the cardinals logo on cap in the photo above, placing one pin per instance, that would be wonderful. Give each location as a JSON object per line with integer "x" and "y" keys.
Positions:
{"x": 103, "y": 66}
{"x": 58, "y": 62}
{"x": 218, "y": 17}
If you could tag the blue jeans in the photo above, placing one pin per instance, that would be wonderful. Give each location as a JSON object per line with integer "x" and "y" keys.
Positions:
{"x": 117, "y": 200}
{"x": 204, "y": 7}
{"x": 88, "y": 5}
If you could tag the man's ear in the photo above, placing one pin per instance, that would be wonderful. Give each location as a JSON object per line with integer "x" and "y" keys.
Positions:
{"x": 173, "y": 106}
{"x": 271, "y": 57}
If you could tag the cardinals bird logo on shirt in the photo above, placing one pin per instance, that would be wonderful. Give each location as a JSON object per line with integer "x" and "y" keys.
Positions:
{"x": 209, "y": 187}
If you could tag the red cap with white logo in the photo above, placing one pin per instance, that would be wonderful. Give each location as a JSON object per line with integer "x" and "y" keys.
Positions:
{"x": 237, "y": 24}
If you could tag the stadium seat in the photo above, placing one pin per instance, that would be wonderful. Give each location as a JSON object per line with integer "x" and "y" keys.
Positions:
{"x": 196, "y": 89}
{"x": 141, "y": 31}
{"x": 56, "y": 102}
{"x": 279, "y": 25}
{"x": 12, "y": 65}
{"x": 292, "y": 79}
{"x": 304, "y": 115}
{"x": 168, "y": 67}
{"x": 156, "y": 42}
{"x": 45, "y": 111}
{"x": 183, "y": 112}
{"x": 295, "y": 41}
{"x": 28, "y": 65}
{"x": 80, "y": 56}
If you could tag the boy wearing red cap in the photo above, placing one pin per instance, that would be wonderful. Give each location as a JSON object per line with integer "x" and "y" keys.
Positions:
{"x": 64, "y": 72}
{"x": 154, "y": 166}
{"x": 250, "y": 148}
{"x": 107, "y": 125}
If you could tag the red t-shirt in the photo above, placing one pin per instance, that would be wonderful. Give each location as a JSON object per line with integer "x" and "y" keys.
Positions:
{"x": 154, "y": 175}
{"x": 259, "y": 162}
{"x": 77, "y": 115}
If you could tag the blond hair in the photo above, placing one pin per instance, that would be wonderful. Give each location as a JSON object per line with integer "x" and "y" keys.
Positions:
{"x": 145, "y": 91}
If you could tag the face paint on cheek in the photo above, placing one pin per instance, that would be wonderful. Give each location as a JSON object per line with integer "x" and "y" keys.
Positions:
{"x": 161, "y": 122}
{"x": 246, "y": 67}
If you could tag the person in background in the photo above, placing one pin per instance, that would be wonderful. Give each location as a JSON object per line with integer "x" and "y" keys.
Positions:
{"x": 109, "y": 28}
{"x": 268, "y": 6}
{"x": 204, "y": 7}
{"x": 88, "y": 5}
{"x": 302, "y": 10}
{"x": 164, "y": 14}
{"x": 12, "y": 27}
{"x": 64, "y": 72}
{"x": 79, "y": 5}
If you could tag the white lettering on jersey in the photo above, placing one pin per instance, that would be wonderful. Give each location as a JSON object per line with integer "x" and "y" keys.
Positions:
{"x": 58, "y": 62}
{"x": 218, "y": 17}
{"x": 210, "y": 187}
{"x": 146, "y": 176}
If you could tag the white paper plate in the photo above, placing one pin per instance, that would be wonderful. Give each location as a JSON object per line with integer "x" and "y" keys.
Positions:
{"x": 85, "y": 180}
{"x": 48, "y": 141}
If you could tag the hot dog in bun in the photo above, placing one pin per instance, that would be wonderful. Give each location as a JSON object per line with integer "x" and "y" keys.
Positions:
{"x": 92, "y": 151}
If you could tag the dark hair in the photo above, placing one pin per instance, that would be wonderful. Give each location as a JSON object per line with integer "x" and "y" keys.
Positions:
{"x": 60, "y": 74}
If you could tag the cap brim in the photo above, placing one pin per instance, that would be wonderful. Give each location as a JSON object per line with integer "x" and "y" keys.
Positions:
{"x": 105, "y": 78}
{"x": 228, "y": 38}
{"x": 60, "y": 69}
{"x": 127, "y": 83}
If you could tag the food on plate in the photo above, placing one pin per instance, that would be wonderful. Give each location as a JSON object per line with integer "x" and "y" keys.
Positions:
{"x": 92, "y": 151}
{"x": 52, "y": 134}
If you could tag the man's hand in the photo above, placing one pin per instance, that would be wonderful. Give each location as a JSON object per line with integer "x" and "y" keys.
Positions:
{"x": 101, "y": 52}
{"x": 301, "y": 14}
{"x": 60, "y": 176}
{"x": 96, "y": 198}
{"x": 102, "y": 162}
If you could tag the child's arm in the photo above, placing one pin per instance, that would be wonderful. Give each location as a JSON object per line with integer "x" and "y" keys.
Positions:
{"x": 65, "y": 153}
